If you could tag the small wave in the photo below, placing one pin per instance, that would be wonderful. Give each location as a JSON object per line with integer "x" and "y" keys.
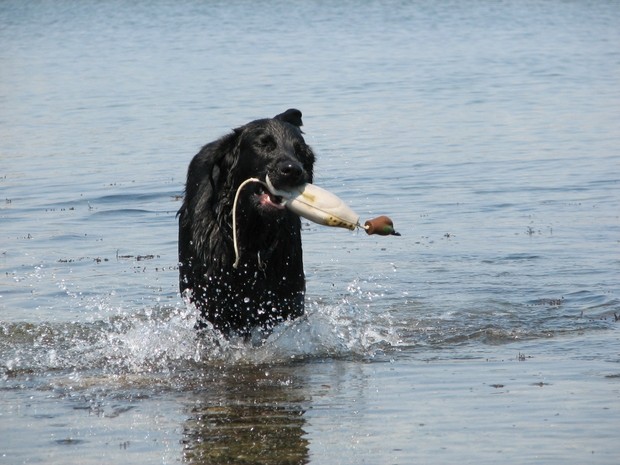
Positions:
{"x": 162, "y": 341}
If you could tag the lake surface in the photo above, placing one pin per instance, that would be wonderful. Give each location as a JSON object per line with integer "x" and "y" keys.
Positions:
{"x": 486, "y": 333}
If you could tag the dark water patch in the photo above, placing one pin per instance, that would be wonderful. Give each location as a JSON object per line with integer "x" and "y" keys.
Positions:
{"x": 69, "y": 442}
{"x": 130, "y": 198}
{"x": 122, "y": 212}
{"x": 521, "y": 256}
{"x": 83, "y": 259}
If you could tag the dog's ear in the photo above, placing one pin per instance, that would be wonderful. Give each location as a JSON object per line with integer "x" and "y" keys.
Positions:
{"x": 216, "y": 163}
{"x": 228, "y": 155}
{"x": 291, "y": 116}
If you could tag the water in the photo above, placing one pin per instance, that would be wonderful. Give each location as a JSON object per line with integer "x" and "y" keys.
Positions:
{"x": 486, "y": 333}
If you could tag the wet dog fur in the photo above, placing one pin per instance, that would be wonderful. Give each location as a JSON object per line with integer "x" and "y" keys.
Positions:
{"x": 268, "y": 285}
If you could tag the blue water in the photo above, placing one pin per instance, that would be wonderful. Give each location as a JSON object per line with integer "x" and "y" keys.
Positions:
{"x": 488, "y": 131}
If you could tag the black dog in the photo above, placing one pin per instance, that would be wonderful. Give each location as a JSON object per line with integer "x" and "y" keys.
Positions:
{"x": 267, "y": 286}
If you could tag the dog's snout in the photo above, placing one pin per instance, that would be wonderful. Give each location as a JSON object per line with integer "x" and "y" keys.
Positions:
{"x": 291, "y": 172}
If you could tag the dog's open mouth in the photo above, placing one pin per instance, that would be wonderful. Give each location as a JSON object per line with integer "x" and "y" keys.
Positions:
{"x": 268, "y": 200}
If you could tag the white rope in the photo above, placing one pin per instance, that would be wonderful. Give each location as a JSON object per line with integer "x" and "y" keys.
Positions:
{"x": 269, "y": 187}
{"x": 234, "y": 217}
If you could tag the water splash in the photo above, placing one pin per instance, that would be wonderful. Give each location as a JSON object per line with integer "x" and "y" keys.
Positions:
{"x": 369, "y": 321}
{"x": 163, "y": 340}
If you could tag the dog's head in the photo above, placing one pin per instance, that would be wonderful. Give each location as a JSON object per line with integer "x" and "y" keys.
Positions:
{"x": 273, "y": 148}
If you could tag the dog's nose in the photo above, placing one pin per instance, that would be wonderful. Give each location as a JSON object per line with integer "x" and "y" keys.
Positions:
{"x": 291, "y": 172}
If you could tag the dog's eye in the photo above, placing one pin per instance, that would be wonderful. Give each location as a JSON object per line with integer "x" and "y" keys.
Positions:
{"x": 267, "y": 143}
{"x": 300, "y": 151}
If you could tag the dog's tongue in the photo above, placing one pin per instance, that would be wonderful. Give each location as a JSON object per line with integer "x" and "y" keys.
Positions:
{"x": 317, "y": 205}
{"x": 271, "y": 200}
